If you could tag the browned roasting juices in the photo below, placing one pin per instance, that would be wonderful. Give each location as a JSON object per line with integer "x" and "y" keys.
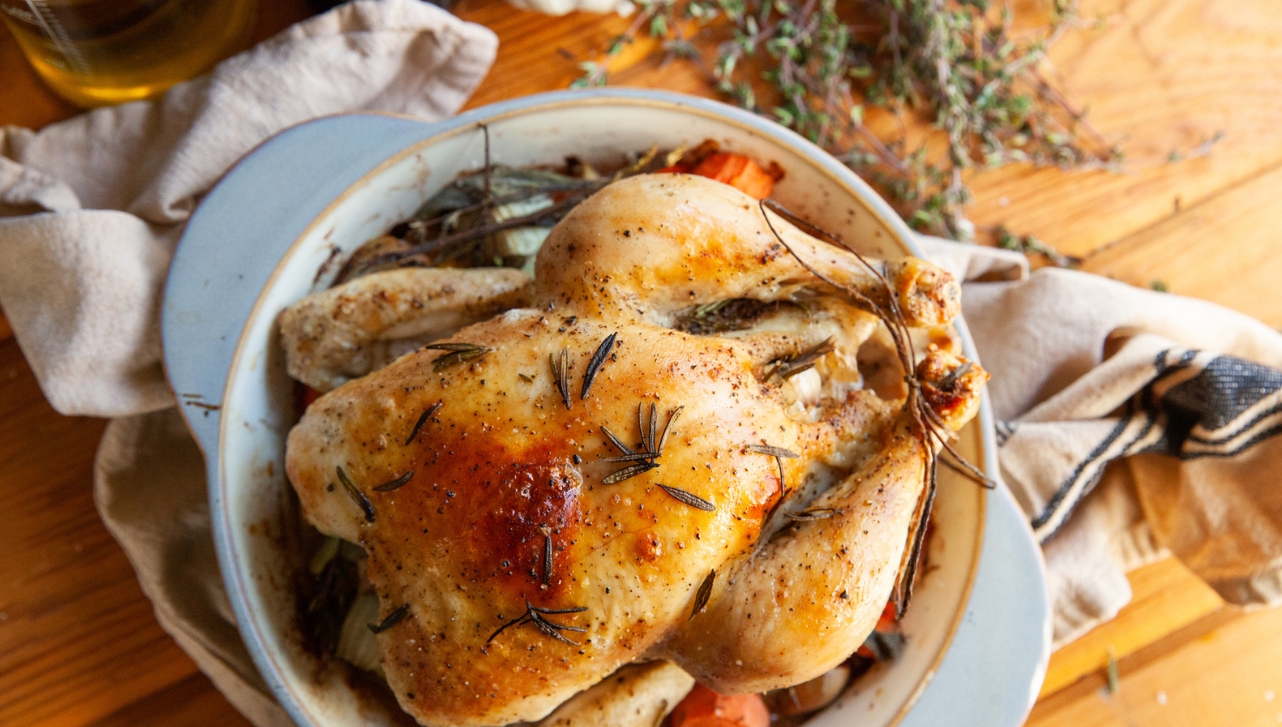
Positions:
{"x": 688, "y": 449}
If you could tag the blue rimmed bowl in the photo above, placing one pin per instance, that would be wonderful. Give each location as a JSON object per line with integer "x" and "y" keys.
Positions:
{"x": 277, "y": 228}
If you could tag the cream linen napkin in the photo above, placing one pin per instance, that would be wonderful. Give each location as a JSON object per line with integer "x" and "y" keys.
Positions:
{"x": 1186, "y": 396}
{"x": 90, "y": 211}
{"x": 81, "y": 286}
{"x": 1182, "y": 393}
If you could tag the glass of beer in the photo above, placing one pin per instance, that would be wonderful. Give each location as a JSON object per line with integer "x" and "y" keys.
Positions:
{"x": 98, "y": 52}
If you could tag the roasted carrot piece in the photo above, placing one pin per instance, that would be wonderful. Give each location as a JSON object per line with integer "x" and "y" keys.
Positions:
{"x": 304, "y": 395}
{"x": 887, "y": 621}
{"x": 739, "y": 172}
{"x": 706, "y": 708}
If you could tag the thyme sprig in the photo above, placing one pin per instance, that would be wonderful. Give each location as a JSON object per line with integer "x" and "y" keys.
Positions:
{"x": 1030, "y": 245}
{"x": 846, "y": 75}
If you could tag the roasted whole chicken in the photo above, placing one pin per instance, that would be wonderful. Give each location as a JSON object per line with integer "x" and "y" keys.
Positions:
{"x": 689, "y": 454}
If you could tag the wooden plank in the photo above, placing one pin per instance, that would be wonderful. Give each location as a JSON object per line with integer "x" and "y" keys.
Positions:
{"x": 24, "y": 99}
{"x": 77, "y": 638}
{"x": 1230, "y": 676}
{"x": 538, "y": 52}
{"x": 1097, "y": 683}
{"x": 1165, "y": 75}
{"x": 1166, "y": 598}
{"x": 1223, "y": 250}
{"x": 189, "y": 703}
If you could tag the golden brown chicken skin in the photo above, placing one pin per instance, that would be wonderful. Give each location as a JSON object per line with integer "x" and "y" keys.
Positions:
{"x": 528, "y": 534}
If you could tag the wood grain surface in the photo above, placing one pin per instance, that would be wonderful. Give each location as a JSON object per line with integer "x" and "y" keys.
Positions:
{"x": 79, "y": 645}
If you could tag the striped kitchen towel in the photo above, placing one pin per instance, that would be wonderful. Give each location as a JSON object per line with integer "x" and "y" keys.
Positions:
{"x": 1181, "y": 399}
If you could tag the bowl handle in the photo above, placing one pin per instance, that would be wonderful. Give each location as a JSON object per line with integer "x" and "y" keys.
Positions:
{"x": 237, "y": 236}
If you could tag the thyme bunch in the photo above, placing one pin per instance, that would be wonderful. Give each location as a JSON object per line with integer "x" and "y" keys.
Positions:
{"x": 850, "y": 75}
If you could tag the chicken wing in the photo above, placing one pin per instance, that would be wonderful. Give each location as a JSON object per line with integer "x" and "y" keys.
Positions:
{"x": 349, "y": 330}
{"x": 638, "y": 695}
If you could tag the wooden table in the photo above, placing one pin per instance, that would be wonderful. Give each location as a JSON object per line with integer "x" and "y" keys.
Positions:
{"x": 78, "y": 642}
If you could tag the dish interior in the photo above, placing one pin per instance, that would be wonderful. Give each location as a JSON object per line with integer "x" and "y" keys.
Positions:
{"x": 259, "y": 508}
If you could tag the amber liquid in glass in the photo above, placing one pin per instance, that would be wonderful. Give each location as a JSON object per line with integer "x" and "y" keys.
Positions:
{"x": 98, "y": 52}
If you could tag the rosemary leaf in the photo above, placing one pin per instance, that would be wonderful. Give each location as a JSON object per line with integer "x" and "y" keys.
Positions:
{"x": 689, "y": 499}
{"x": 672, "y": 417}
{"x": 561, "y": 374}
{"x": 594, "y": 365}
{"x": 459, "y": 352}
{"x": 547, "y": 559}
{"x": 537, "y": 616}
{"x": 642, "y": 427}
{"x": 703, "y": 594}
{"x": 392, "y": 619}
{"x": 514, "y": 622}
{"x": 628, "y": 473}
{"x": 773, "y": 451}
{"x": 950, "y": 380}
{"x": 553, "y": 630}
{"x": 357, "y": 496}
{"x": 395, "y": 484}
{"x": 654, "y": 425}
{"x": 455, "y": 347}
{"x": 818, "y": 513}
{"x": 779, "y": 453}
{"x": 555, "y": 611}
{"x": 804, "y": 361}
{"x": 632, "y": 457}
{"x": 616, "y": 441}
{"x": 787, "y": 372}
{"x": 418, "y": 425}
